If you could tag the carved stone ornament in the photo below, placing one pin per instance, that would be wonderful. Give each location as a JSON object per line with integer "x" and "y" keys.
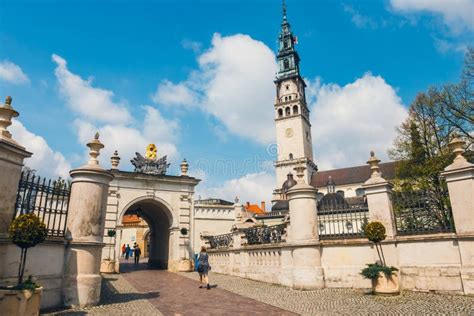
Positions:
{"x": 150, "y": 164}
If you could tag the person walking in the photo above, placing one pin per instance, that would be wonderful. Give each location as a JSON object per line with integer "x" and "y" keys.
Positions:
{"x": 123, "y": 250}
{"x": 203, "y": 268}
{"x": 137, "y": 252}
{"x": 127, "y": 252}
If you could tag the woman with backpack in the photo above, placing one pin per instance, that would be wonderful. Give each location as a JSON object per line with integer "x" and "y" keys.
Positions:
{"x": 203, "y": 268}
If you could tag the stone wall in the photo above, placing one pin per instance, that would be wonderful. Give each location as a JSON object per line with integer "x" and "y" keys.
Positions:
{"x": 45, "y": 263}
{"x": 426, "y": 263}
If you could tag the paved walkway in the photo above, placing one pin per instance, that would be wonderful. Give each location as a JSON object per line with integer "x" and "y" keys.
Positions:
{"x": 139, "y": 291}
{"x": 173, "y": 294}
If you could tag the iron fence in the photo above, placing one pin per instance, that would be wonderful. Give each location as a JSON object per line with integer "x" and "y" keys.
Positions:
{"x": 265, "y": 235}
{"x": 340, "y": 220}
{"x": 48, "y": 199}
{"x": 221, "y": 241}
{"x": 423, "y": 212}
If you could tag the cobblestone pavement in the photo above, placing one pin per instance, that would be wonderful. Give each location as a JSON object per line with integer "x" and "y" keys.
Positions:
{"x": 179, "y": 295}
{"x": 118, "y": 297}
{"x": 344, "y": 301}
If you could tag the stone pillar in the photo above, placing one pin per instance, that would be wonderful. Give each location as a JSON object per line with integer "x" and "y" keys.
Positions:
{"x": 306, "y": 250}
{"x": 12, "y": 155}
{"x": 85, "y": 230}
{"x": 460, "y": 179}
{"x": 379, "y": 198}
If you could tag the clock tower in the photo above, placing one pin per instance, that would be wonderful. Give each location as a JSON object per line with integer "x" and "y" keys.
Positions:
{"x": 293, "y": 129}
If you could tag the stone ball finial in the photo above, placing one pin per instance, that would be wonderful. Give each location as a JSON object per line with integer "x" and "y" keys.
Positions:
{"x": 8, "y": 101}
{"x": 6, "y": 115}
{"x": 373, "y": 162}
{"x": 115, "y": 160}
{"x": 94, "y": 150}
{"x": 184, "y": 168}
{"x": 456, "y": 145}
{"x": 300, "y": 173}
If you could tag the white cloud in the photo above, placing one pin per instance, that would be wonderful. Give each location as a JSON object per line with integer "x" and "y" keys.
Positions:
{"x": 12, "y": 73}
{"x": 46, "y": 161}
{"x": 127, "y": 140}
{"x": 458, "y": 15}
{"x": 171, "y": 94}
{"x": 445, "y": 46}
{"x": 350, "y": 121}
{"x": 252, "y": 187}
{"x": 192, "y": 45}
{"x": 88, "y": 101}
{"x": 234, "y": 83}
{"x": 117, "y": 128}
{"x": 360, "y": 20}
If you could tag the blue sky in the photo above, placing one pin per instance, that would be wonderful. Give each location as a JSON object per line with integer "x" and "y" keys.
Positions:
{"x": 195, "y": 77}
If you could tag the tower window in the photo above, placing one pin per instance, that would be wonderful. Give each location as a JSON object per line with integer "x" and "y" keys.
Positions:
{"x": 289, "y": 97}
{"x": 287, "y": 111}
{"x": 280, "y": 112}
{"x": 286, "y": 64}
{"x": 295, "y": 110}
{"x": 286, "y": 98}
{"x": 285, "y": 44}
{"x": 287, "y": 87}
{"x": 290, "y": 156}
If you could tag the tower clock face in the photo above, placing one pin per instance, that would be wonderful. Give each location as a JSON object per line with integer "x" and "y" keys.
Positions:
{"x": 289, "y": 132}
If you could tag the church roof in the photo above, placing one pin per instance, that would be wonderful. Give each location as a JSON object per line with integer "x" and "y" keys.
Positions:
{"x": 281, "y": 205}
{"x": 358, "y": 174}
{"x": 289, "y": 182}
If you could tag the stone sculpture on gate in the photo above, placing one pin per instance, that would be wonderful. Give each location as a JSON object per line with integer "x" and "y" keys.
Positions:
{"x": 150, "y": 164}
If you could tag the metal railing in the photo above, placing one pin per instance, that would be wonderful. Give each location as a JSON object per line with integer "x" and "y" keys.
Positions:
{"x": 48, "y": 199}
{"x": 221, "y": 241}
{"x": 339, "y": 220}
{"x": 422, "y": 212}
{"x": 265, "y": 235}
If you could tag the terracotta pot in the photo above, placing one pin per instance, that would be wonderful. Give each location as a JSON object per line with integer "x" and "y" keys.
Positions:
{"x": 386, "y": 286}
{"x": 107, "y": 266}
{"x": 20, "y": 302}
{"x": 185, "y": 265}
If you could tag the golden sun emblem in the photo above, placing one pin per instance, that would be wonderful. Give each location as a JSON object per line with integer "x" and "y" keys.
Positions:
{"x": 151, "y": 151}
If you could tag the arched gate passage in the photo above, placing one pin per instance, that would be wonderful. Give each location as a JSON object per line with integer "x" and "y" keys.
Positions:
{"x": 164, "y": 202}
{"x": 159, "y": 220}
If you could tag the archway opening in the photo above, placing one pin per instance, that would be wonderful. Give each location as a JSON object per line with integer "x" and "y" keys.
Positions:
{"x": 150, "y": 229}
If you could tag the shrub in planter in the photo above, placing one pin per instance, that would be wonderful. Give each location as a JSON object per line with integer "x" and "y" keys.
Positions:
{"x": 384, "y": 278}
{"x": 25, "y": 231}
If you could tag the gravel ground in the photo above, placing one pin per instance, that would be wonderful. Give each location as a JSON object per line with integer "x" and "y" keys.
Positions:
{"x": 344, "y": 301}
{"x": 118, "y": 297}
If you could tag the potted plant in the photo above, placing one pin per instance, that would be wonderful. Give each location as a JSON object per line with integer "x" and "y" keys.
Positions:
{"x": 108, "y": 264}
{"x": 185, "y": 265}
{"x": 25, "y": 231}
{"x": 384, "y": 278}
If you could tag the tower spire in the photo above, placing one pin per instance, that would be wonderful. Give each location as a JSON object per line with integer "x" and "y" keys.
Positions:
{"x": 284, "y": 11}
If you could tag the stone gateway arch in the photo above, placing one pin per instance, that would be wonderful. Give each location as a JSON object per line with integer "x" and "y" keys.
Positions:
{"x": 164, "y": 202}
